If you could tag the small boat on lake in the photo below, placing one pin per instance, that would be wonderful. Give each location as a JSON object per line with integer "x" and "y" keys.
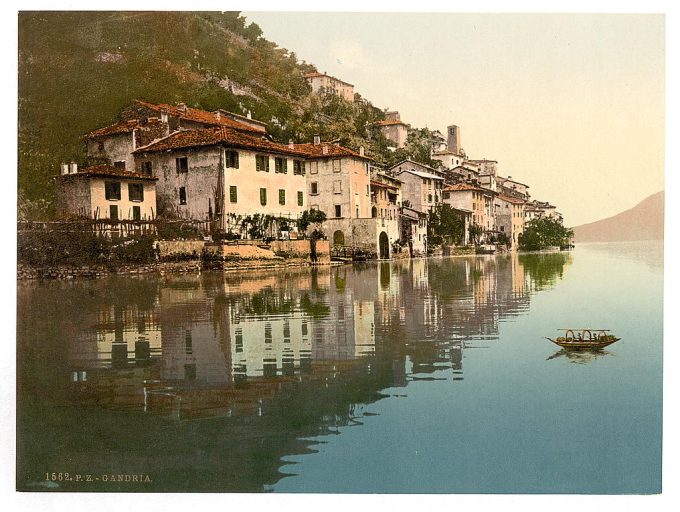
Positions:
{"x": 584, "y": 339}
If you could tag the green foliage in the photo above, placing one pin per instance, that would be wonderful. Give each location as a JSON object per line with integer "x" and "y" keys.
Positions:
{"x": 79, "y": 247}
{"x": 445, "y": 226}
{"x": 418, "y": 147}
{"x": 544, "y": 232}
{"x": 310, "y": 217}
{"x": 476, "y": 231}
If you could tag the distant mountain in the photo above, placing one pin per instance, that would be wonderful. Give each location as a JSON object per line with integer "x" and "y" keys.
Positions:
{"x": 642, "y": 222}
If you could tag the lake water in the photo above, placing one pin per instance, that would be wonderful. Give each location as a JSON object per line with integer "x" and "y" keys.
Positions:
{"x": 411, "y": 376}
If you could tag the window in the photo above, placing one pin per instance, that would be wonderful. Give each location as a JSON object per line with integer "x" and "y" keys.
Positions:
{"x": 337, "y": 187}
{"x": 357, "y": 211}
{"x": 100, "y": 147}
{"x": 313, "y": 167}
{"x": 368, "y": 190}
{"x": 446, "y": 195}
{"x": 147, "y": 168}
{"x": 502, "y": 228}
{"x": 336, "y": 165}
{"x": 136, "y": 192}
{"x": 280, "y": 165}
{"x": 120, "y": 164}
{"x": 282, "y": 196}
{"x": 113, "y": 212}
{"x": 233, "y": 194}
{"x": 301, "y": 198}
{"x": 298, "y": 167}
{"x": 338, "y": 210}
{"x": 231, "y": 159}
{"x": 136, "y": 213}
{"x": 112, "y": 190}
{"x": 262, "y": 163}
{"x": 182, "y": 195}
{"x": 182, "y": 164}
{"x": 429, "y": 198}
{"x": 313, "y": 188}
{"x": 263, "y": 196}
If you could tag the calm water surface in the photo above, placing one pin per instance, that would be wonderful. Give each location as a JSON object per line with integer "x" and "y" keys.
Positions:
{"x": 417, "y": 376}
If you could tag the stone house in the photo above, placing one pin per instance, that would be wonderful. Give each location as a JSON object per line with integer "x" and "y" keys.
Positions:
{"x": 421, "y": 184}
{"x": 510, "y": 218}
{"x": 385, "y": 196}
{"x": 475, "y": 199}
{"x": 222, "y": 175}
{"x": 394, "y": 129}
{"x": 323, "y": 83}
{"x": 509, "y": 187}
{"x": 414, "y": 230}
{"x": 105, "y": 192}
{"x": 449, "y": 159}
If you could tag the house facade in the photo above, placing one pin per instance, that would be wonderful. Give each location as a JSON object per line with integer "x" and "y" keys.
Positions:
{"x": 421, "y": 185}
{"x": 394, "y": 129}
{"x": 323, "y": 83}
{"x": 510, "y": 218}
{"x": 105, "y": 192}
{"x": 223, "y": 175}
{"x": 475, "y": 199}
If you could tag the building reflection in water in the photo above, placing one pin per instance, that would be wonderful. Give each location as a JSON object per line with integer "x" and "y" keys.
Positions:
{"x": 223, "y": 344}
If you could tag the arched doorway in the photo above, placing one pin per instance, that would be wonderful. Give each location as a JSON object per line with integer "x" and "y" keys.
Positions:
{"x": 374, "y": 212}
{"x": 384, "y": 245}
{"x": 338, "y": 238}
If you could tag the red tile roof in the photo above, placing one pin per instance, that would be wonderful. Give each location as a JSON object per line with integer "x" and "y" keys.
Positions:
{"x": 204, "y": 137}
{"x": 512, "y": 200}
{"x": 332, "y": 150}
{"x": 114, "y": 129}
{"x": 107, "y": 171}
{"x": 203, "y": 116}
{"x": 465, "y": 186}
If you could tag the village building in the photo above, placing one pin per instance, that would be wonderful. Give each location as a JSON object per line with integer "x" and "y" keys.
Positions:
{"x": 421, "y": 184}
{"x": 105, "y": 192}
{"x": 475, "y": 199}
{"x": 339, "y": 184}
{"x": 385, "y": 196}
{"x": 438, "y": 141}
{"x": 323, "y": 83}
{"x": 449, "y": 159}
{"x": 509, "y": 213}
{"x": 509, "y": 187}
{"x": 223, "y": 175}
{"x": 394, "y": 129}
{"x": 413, "y": 229}
{"x": 540, "y": 209}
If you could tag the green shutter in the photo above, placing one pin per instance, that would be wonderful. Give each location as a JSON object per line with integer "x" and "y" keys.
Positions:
{"x": 282, "y": 196}
{"x": 263, "y": 196}
{"x": 233, "y": 194}
{"x": 301, "y": 198}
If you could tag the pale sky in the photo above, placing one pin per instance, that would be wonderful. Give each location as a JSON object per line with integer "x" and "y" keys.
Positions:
{"x": 570, "y": 104}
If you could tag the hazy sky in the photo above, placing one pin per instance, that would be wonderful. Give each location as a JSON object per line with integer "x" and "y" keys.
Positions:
{"x": 572, "y": 105}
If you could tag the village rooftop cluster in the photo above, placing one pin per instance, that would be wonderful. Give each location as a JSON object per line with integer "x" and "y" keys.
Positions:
{"x": 220, "y": 167}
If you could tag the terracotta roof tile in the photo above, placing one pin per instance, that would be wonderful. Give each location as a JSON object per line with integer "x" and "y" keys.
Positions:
{"x": 512, "y": 200}
{"x": 465, "y": 186}
{"x": 332, "y": 150}
{"x": 114, "y": 129}
{"x": 107, "y": 171}
{"x": 204, "y": 137}
{"x": 202, "y": 116}
{"x": 383, "y": 185}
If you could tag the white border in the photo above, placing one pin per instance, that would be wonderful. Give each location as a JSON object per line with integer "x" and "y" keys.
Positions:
{"x": 105, "y": 502}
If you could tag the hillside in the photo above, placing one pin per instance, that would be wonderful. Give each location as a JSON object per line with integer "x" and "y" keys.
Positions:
{"x": 642, "y": 222}
{"x": 77, "y": 70}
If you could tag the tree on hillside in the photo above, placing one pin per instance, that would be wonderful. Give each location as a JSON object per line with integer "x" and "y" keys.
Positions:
{"x": 418, "y": 147}
{"x": 544, "y": 232}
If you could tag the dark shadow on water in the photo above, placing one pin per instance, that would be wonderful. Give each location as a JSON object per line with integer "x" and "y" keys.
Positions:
{"x": 580, "y": 356}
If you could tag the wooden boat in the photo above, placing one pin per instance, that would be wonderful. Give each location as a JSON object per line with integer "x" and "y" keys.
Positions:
{"x": 584, "y": 339}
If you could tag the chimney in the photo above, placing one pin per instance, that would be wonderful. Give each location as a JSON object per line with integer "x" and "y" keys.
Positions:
{"x": 361, "y": 150}
{"x": 64, "y": 169}
{"x": 73, "y": 168}
{"x": 218, "y": 115}
{"x": 249, "y": 115}
{"x": 453, "y": 141}
{"x": 182, "y": 107}
{"x": 324, "y": 149}
{"x": 317, "y": 140}
{"x": 290, "y": 144}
